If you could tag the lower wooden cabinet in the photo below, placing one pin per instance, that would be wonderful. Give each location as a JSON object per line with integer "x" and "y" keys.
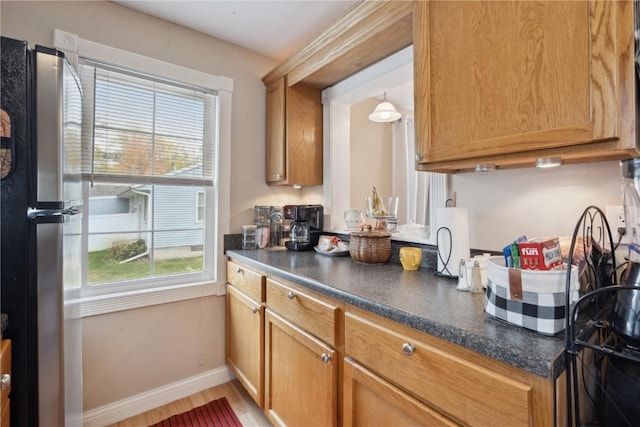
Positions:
{"x": 460, "y": 385}
{"x": 245, "y": 342}
{"x": 301, "y": 376}
{"x": 370, "y": 400}
{"x": 310, "y": 360}
{"x": 5, "y": 382}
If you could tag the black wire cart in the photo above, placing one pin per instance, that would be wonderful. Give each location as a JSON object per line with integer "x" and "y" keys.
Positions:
{"x": 595, "y": 348}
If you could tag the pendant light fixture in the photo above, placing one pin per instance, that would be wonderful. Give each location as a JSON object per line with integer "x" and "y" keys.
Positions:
{"x": 384, "y": 112}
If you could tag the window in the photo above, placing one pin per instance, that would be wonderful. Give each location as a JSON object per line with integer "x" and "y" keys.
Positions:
{"x": 155, "y": 172}
{"x": 151, "y": 152}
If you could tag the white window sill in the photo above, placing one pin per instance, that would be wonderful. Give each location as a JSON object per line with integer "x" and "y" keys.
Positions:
{"x": 102, "y": 304}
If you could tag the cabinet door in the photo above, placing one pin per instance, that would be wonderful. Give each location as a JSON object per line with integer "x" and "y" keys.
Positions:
{"x": 304, "y": 135}
{"x": 294, "y": 134}
{"x": 504, "y": 81}
{"x": 245, "y": 342}
{"x": 276, "y": 134}
{"x": 301, "y": 376}
{"x": 369, "y": 400}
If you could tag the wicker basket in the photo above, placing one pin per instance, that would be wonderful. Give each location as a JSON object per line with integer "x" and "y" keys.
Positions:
{"x": 370, "y": 247}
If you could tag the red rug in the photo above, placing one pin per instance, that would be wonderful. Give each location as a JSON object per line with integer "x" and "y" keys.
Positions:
{"x": 217, "y": 413}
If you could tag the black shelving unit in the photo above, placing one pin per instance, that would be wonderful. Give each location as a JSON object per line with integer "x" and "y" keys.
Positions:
{"x": 590, "y": 337}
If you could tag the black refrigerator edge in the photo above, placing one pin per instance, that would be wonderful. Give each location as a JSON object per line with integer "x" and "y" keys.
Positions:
{"x": 40, "y": 234}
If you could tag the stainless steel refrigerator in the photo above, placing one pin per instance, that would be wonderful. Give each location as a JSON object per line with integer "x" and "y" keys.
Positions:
{"x": 40, "y": 213}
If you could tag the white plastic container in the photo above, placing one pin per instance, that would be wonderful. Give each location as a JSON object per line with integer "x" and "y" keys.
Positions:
{"x": 249, "y": 236}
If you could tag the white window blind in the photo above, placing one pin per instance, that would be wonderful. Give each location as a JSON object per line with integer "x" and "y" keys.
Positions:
{"x": 157, "y": 131}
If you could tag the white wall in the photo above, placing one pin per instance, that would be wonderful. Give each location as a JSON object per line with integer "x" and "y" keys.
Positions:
{"x": 370, "y": 155}
{"x": 537, "y": 202}
{"x": 131, "y": 352}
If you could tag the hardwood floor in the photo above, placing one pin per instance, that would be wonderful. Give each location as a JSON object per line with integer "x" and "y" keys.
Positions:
{"x": 248, "y": 412}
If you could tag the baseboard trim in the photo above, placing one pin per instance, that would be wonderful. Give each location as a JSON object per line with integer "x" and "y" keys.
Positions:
{"x": 134, "y": 405}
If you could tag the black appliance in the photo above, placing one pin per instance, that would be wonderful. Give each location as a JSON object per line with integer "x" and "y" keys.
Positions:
{"x": 41, "y": 196}
{"x": 622, "y": 391}
{"x": 306, "y": 226}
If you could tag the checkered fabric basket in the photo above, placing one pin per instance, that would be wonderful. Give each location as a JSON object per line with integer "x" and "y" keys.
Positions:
{"x": 528, "y": 298}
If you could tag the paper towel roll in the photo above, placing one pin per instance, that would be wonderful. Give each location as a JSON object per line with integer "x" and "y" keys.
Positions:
{"x": 455, "y": 220}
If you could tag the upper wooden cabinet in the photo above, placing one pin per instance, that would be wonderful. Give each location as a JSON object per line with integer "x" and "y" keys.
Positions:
{"x": 294, "y": 134}
{"x": 505, "y": 83}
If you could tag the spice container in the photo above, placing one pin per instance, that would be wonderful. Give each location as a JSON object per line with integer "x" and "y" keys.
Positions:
{"x": 249, "y": 236}
{"x": 370, "y": 246}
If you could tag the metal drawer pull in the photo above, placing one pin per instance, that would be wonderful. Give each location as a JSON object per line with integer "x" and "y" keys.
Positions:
{"x": 5, "y": 381}
{"x": 239, "y": 270}
{"x": 291, "y": 295}
{"x": 408, "y": 348}
{"x": 326, "y": 358}
{"x": 255, "y": 309}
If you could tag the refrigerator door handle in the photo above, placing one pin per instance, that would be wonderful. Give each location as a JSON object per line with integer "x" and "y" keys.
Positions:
{"x": 51, "y": 212}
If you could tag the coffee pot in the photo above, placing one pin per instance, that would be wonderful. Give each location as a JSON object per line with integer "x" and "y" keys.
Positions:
{"x": 306, "y": 226}
{"x": 300, "y": 232}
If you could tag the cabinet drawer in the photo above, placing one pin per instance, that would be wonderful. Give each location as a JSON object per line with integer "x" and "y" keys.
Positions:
{"x": 247, "y": 281}
{"x": 309, "y": 313}
{"x": 470, "y": 393}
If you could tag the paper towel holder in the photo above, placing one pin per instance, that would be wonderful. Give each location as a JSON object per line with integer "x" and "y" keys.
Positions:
{"x": 445, "y": 263}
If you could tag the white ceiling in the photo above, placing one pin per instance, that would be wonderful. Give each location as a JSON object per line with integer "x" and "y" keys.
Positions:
{"x": 274, "y": 28}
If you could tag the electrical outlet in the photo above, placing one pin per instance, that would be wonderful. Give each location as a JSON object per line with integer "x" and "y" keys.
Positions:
{"x": 615, "y": 218}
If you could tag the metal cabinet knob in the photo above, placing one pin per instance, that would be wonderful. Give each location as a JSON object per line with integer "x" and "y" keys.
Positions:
{"x": 5, "y": 381}
{"x": 408, "y": 348}
{"x": 278, "y": 176}
{"x": 291, "y": 295}
{"x": 326, "y": 358}
{"x": 254, "y": 309}
{"x": 419, "y": 157}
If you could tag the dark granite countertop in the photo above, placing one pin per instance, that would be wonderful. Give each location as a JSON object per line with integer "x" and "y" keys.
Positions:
{"x": 418, "y": 299}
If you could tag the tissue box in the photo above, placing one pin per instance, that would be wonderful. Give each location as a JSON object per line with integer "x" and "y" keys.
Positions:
{"x": 532, "y": 299}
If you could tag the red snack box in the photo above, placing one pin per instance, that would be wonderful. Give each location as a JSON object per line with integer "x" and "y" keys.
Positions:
{"x": 540, "y": 254}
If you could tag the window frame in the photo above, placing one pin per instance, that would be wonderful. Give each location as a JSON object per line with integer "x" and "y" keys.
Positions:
{"x": 199, "y": 218}
{"x": 98, "y": 299}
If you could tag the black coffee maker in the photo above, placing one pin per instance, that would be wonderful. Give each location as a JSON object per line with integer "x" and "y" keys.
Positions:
{"x": 306, "y": 226}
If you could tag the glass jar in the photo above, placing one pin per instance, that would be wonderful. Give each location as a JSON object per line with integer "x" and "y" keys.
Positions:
{"x": 249, "y": 236}
{"x": 261, "y": 214}
{"x": 277, "y": 225}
